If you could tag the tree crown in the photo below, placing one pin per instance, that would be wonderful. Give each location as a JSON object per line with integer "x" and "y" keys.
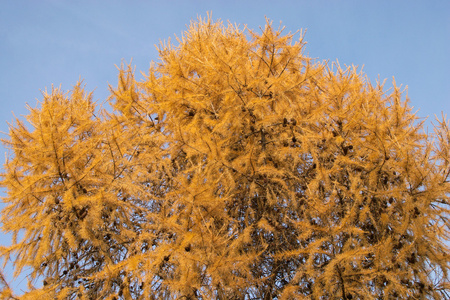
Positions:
{"x": 238, "y": 168}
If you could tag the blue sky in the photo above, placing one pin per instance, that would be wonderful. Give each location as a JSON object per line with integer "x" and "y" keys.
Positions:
{"x": 58, "y": 42}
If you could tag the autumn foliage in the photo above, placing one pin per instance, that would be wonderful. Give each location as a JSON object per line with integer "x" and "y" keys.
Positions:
{"x": 238, "y": 168}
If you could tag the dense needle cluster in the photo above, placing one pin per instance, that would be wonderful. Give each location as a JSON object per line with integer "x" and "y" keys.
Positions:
{"x": 238, "y": 168}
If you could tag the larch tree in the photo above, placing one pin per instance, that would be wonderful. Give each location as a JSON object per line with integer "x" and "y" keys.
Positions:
{"x": 238, "y": 168}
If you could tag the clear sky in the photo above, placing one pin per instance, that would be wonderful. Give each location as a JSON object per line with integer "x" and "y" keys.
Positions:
{"x": 44, "y": 42}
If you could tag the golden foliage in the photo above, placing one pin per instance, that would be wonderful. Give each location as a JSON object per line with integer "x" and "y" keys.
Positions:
{"x": 238, "y": 169}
